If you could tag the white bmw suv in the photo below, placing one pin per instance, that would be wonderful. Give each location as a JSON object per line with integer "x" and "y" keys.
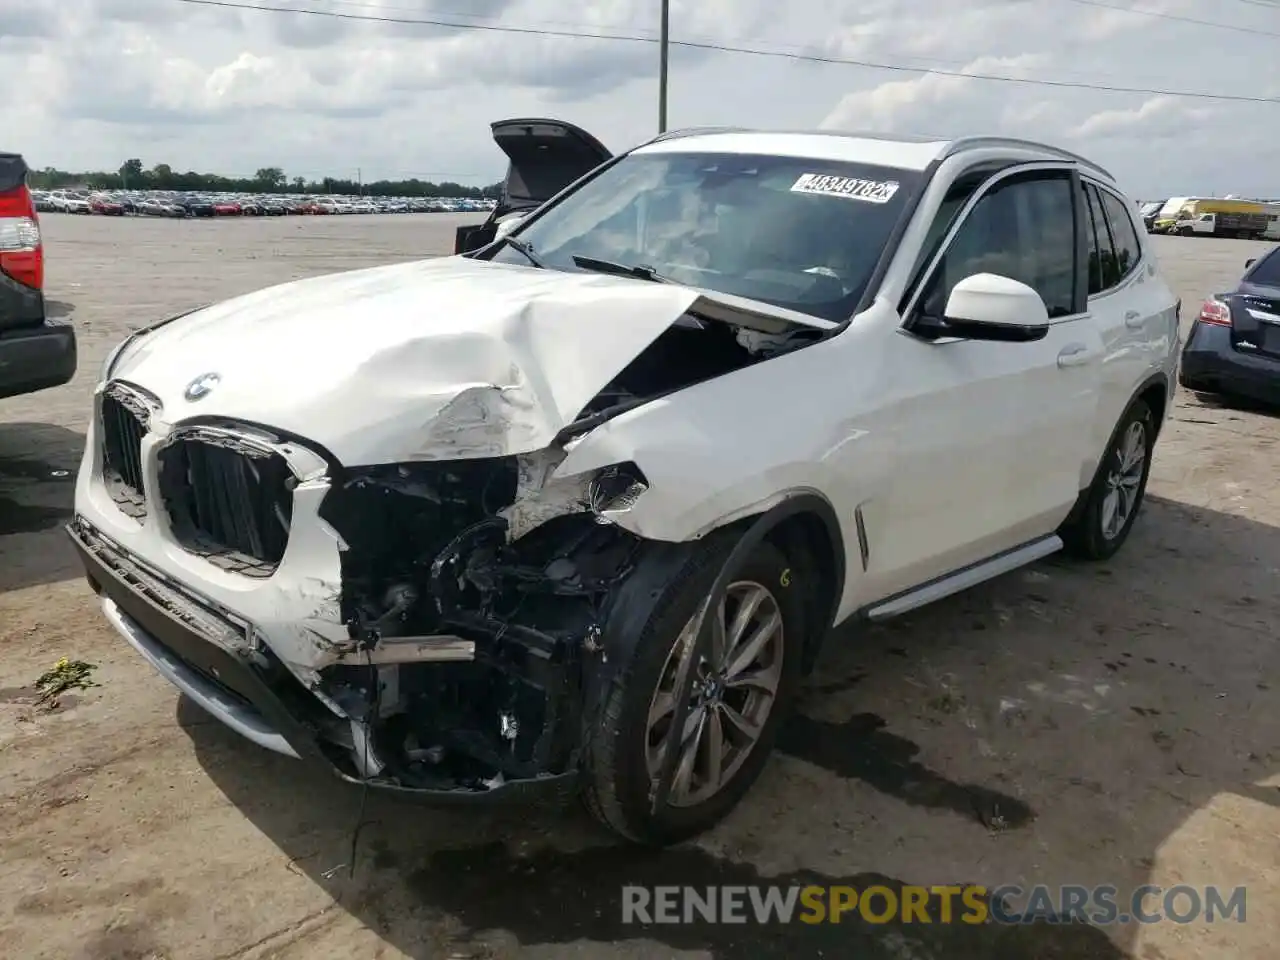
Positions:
{"x": 574, "y": 512}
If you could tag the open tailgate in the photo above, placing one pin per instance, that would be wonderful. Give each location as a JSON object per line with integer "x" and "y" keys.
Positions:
{"x": 544, "y": 156}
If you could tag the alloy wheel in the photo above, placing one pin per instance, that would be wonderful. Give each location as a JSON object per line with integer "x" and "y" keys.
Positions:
{"x": 732, "y": 697}
{"x": 1124, "y": 481}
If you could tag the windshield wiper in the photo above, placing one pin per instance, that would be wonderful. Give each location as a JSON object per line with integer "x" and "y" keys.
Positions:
{"x": 525, "y": 247}
{"x": 640, "y": 271}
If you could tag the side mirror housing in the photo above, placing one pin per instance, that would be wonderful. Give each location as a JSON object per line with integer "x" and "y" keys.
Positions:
{"x": 507, "y": 225}
{"x": 987, "y": 306}
{"x": 1250, "y": 262}
{"x": 475, "y": 236}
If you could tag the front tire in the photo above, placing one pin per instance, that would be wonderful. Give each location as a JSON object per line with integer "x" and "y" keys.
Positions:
{"x": 1119, "y": 486}
{"x": 741, "y": 694}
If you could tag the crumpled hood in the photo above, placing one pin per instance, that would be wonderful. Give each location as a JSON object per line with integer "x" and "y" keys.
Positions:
{"x": 439, "y": 359}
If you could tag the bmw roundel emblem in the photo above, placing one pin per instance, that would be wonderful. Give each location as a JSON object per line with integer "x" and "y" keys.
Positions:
{"x": 201, "y": 386}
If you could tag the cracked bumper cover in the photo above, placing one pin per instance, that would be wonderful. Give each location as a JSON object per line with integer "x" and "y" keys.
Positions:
{"x": 239, "y": 687}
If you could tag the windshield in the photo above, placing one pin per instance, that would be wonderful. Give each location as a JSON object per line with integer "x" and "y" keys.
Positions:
{"x": 796, "y": 233}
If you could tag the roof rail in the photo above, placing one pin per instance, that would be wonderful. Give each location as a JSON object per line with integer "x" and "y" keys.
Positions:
{"x": 961, "y": 144}
{"x": 696, "y": 131}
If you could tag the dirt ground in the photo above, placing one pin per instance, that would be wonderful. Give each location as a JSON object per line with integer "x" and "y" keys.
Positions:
{"x": 1114, "y": 724}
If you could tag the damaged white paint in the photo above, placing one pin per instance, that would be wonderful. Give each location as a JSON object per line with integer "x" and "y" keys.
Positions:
{"x": 296, "y": 612}
{"x": 539, "y": 498}
{"x": 435, "y": 360}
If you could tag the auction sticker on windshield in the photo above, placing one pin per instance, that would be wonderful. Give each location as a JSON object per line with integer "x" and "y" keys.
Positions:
{"x": 868, "y": 191}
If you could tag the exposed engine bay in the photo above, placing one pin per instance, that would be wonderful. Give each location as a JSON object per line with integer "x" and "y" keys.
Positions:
{"x": 474, "y": 590}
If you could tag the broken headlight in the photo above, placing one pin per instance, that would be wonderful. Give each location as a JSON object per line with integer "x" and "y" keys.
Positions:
{"x": 615, "y": 490}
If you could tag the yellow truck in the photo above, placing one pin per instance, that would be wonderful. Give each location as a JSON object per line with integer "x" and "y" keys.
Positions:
{"x": 1244, "y": 219}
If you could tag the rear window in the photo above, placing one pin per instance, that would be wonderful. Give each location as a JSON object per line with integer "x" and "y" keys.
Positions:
{"x": 798, "y": 233}
{"x": 1266, "y": 271}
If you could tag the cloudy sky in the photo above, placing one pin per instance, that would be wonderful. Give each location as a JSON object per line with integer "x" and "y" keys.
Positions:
{"x": 230, "y": 90}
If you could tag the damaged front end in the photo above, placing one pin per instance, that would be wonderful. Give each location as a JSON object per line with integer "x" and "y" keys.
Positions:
{"x": 478, "y": 593}
{"x": 441, "y": 625}
{"x": 473, "y": 590}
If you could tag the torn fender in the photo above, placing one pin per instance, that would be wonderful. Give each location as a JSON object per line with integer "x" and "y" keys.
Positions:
{"x": 704, "y": 468}
{"x": 436, "y": 360}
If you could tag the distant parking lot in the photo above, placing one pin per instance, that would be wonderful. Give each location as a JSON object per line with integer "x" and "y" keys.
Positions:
{"x": 1062, "y": 725}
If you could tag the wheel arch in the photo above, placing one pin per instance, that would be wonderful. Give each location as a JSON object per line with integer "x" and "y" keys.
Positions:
{"x": 1154, "y": 392}
{"x": 804, "y": 526}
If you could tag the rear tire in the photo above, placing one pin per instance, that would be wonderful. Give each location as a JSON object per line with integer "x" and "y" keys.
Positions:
{"x": 619, "y": 765}
{"x": 1114, "y": 499}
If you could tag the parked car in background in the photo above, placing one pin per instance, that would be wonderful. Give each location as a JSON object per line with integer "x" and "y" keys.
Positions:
{"x": 576, "y": 511}
{"x": 1234, "y": 344}
{"x": 64, "y": 201}
{"x": 35, "y": 353}
{"x": 1149, "y": 212}
{"x": 197, "y": 206}
{"x": 170, "y": 203}
{"x": 106, "y": 205}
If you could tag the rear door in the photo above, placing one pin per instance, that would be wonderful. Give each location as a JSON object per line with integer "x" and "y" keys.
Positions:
{"x": 1132, "y": 306}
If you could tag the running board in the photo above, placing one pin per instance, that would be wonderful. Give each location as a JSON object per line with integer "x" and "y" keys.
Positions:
{"x": 965, "y": 578}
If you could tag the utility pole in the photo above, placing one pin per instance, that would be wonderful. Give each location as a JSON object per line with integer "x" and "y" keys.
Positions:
{"x": 664, "y": 43}
{"x": 359, "y": 183}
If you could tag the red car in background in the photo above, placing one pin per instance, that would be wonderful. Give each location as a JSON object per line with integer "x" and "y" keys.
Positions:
{"x": 106, "y": 206}
{"x": 225, "y": 208}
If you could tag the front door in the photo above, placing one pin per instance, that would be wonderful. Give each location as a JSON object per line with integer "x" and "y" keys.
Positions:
{"x": 989, "y": 436}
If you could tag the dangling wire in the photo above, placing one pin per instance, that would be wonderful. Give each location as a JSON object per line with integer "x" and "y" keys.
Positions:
{"x": 375, "y": 705}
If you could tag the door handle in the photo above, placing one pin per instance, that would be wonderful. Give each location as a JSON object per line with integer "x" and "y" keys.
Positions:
{"x": 1133, "y": 320}
{"x": 1074, "y": 355}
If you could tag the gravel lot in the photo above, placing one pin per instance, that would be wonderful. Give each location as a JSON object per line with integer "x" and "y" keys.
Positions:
{"x": 1067, "y": 724}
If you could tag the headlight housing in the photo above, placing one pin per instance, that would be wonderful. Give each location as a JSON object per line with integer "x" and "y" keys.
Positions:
{"x": 615, "y": 490}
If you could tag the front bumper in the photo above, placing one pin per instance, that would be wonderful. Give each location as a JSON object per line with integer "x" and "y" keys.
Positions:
{"x": 242, "y": 687}
{"x": 1210, "y": 362}
{"x": 36, "y": 358}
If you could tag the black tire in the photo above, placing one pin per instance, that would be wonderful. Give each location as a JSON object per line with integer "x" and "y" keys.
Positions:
{"x": 617, "y": 780}
{"x": 1083, "y": 536}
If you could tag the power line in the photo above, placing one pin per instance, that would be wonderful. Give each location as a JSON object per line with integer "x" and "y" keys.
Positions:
{"x": 728, "y": 48}
{"x": 633, "y": 27}
{"x": 1178, "y": 18}
{"x": 385, "y": 9}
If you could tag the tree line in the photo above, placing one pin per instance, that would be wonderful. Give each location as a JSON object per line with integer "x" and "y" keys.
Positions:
{"x": 132, "y": 175}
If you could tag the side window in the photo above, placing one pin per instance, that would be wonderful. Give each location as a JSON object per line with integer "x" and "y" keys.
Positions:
{"x": 957, "y": 196}
{"x": 1024, "y": 229}
{"x": 1109, "y": 272}
{"x": 1099, "y": 241}
{"x": 1123, "y": 237}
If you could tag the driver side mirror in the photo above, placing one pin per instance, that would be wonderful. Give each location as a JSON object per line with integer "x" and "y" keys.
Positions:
{"x": 987, "y": 306}
{"x": 506, "y": 226}
{"x": 1250, "y": 262}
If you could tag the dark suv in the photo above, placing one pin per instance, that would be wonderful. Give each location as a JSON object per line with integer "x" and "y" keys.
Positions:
{"x": 35, "y": 353}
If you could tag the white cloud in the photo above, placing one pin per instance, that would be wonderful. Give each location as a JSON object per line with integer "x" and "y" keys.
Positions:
{"x": 1157, "y": 118}
{"x": 215, "y": 89}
